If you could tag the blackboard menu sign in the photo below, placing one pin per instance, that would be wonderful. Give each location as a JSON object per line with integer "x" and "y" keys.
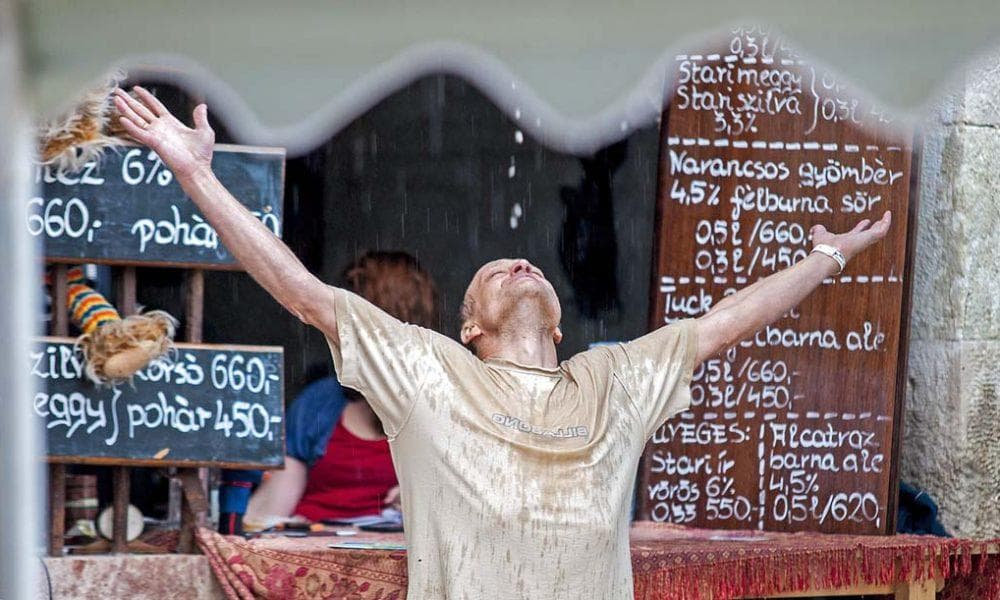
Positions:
{"x": 206, "y": 405}
{"x": 797, "y": 427}
{"x": 129, "y": 209}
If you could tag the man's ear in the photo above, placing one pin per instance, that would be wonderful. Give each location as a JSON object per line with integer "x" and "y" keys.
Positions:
{"x": 470, "y": 331}
{"x": 557, "y": 335}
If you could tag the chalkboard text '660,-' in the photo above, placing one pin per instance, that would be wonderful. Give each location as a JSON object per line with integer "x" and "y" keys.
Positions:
{"x": 128, "y": 208}
{"x": 201, "y": 404}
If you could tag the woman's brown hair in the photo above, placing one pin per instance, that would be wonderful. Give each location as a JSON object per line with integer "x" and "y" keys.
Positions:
{"x": 396, "y": 283}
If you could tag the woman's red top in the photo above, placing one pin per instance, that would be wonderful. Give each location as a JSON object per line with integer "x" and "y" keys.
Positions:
{"x": 351, "y": 479}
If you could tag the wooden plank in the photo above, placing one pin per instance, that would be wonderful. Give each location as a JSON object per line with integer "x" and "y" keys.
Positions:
{"x": 852, "y": 590}
{"x": 190, "y": 482}
{"x": 902, "y": 367}
{"x": 916, "y": 590}
{"x": 127, "y": 284}
{"x": 194, "y": 305}
{"x": 57, "y": 473}
{"x": 193, "y": 490}
{"x": 920, "y": 590}
{"x": 146, "y": 263}
{"x": 139, "y": 462}
{"x": 60, "y": 309}
{"x": 181, "y": 345}
{"x": 120, "y": 502}
{"x": 193, "y": 503}
{"x": 57, "y": 509}
{"x": 794, "y": 428}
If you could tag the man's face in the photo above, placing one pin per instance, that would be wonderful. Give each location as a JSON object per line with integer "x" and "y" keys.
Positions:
{"x": 511, "y": 293}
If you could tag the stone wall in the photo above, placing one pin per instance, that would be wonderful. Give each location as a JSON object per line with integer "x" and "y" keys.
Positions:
{"x": 951, "y": 443}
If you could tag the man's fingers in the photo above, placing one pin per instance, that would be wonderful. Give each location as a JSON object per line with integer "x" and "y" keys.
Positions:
{"x": 140, "y": 134}
{"x": 882, "y": 227}
{"x": 137, "y": 107}
{"x": 861, "y": 225}
{"x": 126, "y": 111}
{"x": 151, "y": 101}
{"x": 816, "y": 230}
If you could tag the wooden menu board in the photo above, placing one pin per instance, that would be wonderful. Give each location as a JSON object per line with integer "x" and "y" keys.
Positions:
{"x": 202, "y": 405}
{"x": 797, "y": 427}
{"x": 128, "y": 208}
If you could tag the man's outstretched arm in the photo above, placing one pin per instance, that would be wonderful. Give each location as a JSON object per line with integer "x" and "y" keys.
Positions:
{"x": 188, "y": 154}
{"x": 745, "y": 312}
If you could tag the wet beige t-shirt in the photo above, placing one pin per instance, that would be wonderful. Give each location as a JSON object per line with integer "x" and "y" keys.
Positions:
{"x": 516, "y": 481}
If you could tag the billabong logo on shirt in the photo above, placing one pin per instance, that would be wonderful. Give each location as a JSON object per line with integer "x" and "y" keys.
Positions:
{"x": 562, "y": 432}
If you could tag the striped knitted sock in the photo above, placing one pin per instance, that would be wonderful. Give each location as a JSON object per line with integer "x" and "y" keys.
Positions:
{"x": 88, "y": 308}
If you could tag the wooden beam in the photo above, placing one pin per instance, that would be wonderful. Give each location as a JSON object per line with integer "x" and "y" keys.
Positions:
{"x": 57, "y": 509}
{"x": 909, "y": 590}
{"x": 57, "y": 473}
{"x": 853, "y": 590}
{"x": 189, "y": 509}
{"x": 193, "y": 504}
{"x": 916, "y": 590}
{"x": 127, "y": 284}
{"x": 119, "y": 535}
{"x": 194, "y": 302}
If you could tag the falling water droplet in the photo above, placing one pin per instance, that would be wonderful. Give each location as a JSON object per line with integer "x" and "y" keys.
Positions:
{"x": 518, "y": 211}
{"x": 517, "y": 113}
{"x": 513, "y": 222}
{"x": 624, "y": 125}
{"x": 519, "y": 137}
{"x": 512, "y": 169}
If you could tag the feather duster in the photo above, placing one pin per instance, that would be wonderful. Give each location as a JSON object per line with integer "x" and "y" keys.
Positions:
{"x": 70, "y": 141}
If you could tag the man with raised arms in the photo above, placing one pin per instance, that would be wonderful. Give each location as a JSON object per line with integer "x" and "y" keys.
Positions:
{"x": 516, "y": 470}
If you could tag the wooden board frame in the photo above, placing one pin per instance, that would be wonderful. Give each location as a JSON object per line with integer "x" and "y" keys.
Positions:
{"x": 165, "y": 462}
{"x": 662, "y": 215}
{"x": 233, "y": 266}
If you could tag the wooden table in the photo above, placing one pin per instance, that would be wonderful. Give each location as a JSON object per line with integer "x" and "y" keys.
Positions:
{"x": 669, "y": 562}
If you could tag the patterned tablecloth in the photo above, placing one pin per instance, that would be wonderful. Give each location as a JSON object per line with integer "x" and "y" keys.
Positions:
{"x": 668, "y": 562}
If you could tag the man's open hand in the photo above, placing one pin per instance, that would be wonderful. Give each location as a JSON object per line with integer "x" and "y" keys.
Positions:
{"x": 854, "y": 241}
{"x": 185, "y": 151}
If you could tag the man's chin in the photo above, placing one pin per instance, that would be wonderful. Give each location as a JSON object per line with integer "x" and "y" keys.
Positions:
{"x": 529, "y": 299}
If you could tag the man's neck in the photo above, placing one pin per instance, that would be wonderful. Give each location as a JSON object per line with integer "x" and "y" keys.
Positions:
{"x": 531, "y": 348}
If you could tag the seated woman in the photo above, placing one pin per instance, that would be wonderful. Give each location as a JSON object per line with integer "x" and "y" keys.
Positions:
{"x": 338, "y": 464}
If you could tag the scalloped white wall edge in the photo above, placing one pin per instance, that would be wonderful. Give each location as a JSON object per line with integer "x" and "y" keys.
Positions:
{"x": 636, "y": 108}
{"x": 639, "y": 107}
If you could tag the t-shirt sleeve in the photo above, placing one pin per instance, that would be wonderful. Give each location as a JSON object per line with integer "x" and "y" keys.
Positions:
{"x": 381, "y": 357}
{"x": 656, "y": 370}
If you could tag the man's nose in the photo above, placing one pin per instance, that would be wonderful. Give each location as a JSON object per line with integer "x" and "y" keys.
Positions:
{"x": 520, "y": 266}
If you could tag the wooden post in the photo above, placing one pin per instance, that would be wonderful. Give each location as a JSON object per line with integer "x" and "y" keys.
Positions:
{"x": 916, "y": 590}
{"x": 126, "y": 301}
{"x": 57, "y": 508}
{"x": 194, "y": 301}
{"x": 60, "y": 311}
{"x": 194, "y": 305}
{"x": 57, "y": 473}
{"x": 126, "y": 292}
{"x": 119, "y": 535}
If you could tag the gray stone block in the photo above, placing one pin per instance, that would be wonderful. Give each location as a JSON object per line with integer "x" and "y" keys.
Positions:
{"x": 980, "y": 96}
{"x": 952, "y": 427}
{"x": 937, "y": 315}
{"x": 976, "y": 224}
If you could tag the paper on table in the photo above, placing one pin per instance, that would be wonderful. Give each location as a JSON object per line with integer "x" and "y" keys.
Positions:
{"x": 388, "y": 516}
{"x": 368, "y": 545}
